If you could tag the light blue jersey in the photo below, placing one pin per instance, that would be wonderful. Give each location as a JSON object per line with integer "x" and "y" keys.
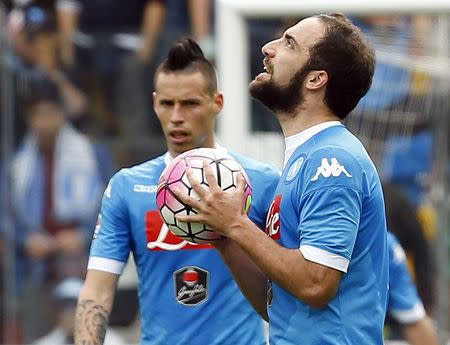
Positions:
{"x": 404, "y": 303}
{"x": 329, "y": 204}
{"x": 186, "y": 293}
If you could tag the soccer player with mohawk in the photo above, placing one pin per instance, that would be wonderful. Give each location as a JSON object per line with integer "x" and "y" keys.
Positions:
{"x": 186, "y": 293}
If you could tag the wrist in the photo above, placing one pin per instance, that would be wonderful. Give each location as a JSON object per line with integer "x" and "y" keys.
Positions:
{"x": 238, "y": 227}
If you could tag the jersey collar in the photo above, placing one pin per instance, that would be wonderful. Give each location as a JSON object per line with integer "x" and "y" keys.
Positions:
{"x": 294, "y": 141}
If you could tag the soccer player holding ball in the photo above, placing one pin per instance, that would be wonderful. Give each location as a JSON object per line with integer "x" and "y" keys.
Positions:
{"x": 325, "y": 252}
{"x": 186, "y": 292}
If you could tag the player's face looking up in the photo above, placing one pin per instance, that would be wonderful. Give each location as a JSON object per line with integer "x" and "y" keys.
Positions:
{"x": 186, "y": 109}
{"x": 281, "y": 87}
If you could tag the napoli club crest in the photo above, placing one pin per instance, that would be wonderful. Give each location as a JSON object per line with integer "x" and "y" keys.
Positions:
{"x": 294, "y": 169}
{"x": 191, "y": 285}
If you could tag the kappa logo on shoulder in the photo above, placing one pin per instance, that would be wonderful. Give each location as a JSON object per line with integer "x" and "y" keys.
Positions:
{"x": 334, "y": 169}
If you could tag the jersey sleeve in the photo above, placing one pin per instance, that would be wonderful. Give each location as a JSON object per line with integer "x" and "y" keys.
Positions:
{"x": 264, "y": 182}
{"x": 111, "y": 242}
{"x": 404, "y": 304}
{"x": 330, "y": 207}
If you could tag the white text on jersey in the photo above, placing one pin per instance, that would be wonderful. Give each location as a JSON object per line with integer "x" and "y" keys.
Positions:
{"x": 140, "y": 188}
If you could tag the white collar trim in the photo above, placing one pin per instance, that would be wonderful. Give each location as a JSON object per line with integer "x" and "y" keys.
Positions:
{"x": 296, "y": 140}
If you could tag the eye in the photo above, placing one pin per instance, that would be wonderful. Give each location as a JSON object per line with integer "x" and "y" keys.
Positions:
{"x": 191, "y": 103}
{"x": 166, "y": 102}
{"x": 289, "y": 43}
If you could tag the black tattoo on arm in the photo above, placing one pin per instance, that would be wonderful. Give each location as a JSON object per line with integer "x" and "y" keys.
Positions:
{"x": 90, "y": 324}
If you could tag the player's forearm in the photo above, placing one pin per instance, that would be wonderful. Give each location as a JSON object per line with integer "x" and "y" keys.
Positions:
{"x": 312, "y": 283}
{"x": 421, "y": 332}
{"x": 93, "y": 309}
{"x": 250, "y": 279}
{"x": 91, "y": 322}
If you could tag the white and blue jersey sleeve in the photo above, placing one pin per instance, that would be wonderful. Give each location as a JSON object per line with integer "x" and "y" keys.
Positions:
{"x": 404, "y": 304}
{"x": 330, "y": 207}
{"x": 111, "y": 242}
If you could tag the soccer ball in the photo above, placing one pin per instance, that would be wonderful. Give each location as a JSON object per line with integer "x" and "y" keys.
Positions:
{"x": 225, "y": 169}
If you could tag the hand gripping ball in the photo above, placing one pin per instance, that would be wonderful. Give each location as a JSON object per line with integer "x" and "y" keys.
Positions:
{"x": 225, "y": 169}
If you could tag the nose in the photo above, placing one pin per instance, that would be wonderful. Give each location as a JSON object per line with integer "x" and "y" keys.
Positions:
{"x": 176, "y": 115}
{"x": 268, "y": 50}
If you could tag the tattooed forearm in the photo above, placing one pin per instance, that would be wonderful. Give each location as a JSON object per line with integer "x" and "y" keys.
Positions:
{"x": 90, "y": 324}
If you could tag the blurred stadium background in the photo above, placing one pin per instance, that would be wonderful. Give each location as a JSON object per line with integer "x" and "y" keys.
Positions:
{"x": 403, "y": 121}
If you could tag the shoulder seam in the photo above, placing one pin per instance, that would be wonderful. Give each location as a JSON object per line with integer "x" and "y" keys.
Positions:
{"x": 339, "y": 186}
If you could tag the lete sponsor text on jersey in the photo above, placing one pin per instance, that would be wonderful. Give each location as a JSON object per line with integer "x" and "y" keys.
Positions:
{"x": 273, "y": 222}
{"x": 160, "y": 238}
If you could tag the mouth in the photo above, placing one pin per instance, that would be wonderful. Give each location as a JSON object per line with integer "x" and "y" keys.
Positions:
{"x": 268, "y": 70}
{"x": 178, "y": 136}
{"x": 267, "y": 66}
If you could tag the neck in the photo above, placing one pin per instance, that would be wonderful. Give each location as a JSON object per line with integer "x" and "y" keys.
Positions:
{"x": 304, "y": 118}
{"x": 209, "y": 141}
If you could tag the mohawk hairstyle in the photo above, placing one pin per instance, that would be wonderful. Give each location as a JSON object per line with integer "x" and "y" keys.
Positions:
{"x": 186, "y": 56}
{"x": 183, "y": 52}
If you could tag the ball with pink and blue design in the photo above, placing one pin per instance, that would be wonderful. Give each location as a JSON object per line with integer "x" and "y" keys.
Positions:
{"x": 225, "y": 169}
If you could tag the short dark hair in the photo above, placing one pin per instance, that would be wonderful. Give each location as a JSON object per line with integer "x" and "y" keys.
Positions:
{"x": 349, "y": 60}
{"x": 185, "y": 55}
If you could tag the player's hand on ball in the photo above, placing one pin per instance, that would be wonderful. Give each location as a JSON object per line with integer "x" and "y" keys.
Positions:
{"x": 225, "y": 170}
{"x": 218, "y": 209}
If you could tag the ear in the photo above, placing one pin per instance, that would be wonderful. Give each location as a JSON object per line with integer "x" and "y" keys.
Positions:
{"x": 316, "y": 80}
{"x": 155, "y": 96}
{"x": 218, "y": 102}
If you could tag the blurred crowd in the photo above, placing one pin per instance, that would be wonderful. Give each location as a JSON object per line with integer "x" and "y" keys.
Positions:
{"x": 82, "y": 74}
{"x": 101, "y": 55}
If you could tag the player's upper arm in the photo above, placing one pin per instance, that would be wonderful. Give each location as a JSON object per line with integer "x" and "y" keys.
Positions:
{"x": 332, "y": 167}
{"x": 421, "y": 332}
{"x": 111, "y": 242}
{"x": 330, "y": 207}
{"x": 324, "y": 284}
